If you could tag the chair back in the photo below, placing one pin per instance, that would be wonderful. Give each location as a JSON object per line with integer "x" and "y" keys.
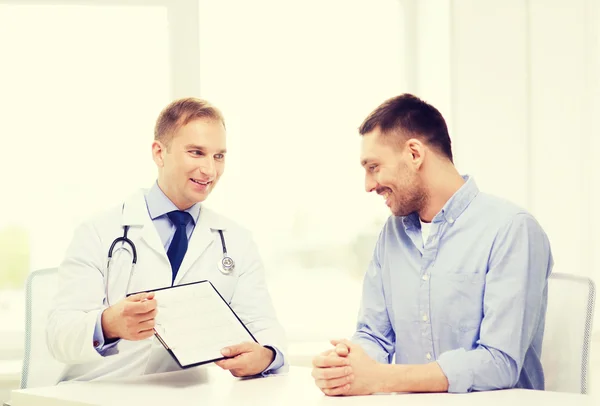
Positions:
{"x": 39, "y": 367}
{"x": 567, "y": 335}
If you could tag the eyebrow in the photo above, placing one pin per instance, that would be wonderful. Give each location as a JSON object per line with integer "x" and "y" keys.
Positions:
{"x": 366, "y": 161}
{"x": 193, "y": 146}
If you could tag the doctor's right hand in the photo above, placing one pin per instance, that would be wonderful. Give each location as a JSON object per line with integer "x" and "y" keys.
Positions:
{"x": 131, "y": 319}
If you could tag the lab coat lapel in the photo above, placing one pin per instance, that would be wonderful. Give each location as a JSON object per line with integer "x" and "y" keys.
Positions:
{"x": 201, "y": 239}
{"x": 135, "y": 214}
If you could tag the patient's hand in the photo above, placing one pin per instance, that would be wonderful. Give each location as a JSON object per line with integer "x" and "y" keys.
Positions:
{"x": 347, "y": 370}
{"x": 332, "y": 371}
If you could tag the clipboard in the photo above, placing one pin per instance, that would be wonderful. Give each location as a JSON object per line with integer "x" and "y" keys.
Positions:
{"x": 194, "y": 322}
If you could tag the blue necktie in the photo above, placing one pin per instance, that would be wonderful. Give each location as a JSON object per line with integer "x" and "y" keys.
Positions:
{"x": 179, "y": 243}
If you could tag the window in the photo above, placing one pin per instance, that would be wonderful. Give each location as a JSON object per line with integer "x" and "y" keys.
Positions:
{"x": 294, "y": 90}
{"x": 81, "y": 101}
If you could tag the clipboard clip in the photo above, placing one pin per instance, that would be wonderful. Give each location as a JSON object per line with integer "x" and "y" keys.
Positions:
{"x": 160, "y": 339}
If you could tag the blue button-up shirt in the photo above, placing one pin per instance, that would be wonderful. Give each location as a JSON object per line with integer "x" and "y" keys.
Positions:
{"x": 473, "y": 297}
{"x": 159, "y": 205}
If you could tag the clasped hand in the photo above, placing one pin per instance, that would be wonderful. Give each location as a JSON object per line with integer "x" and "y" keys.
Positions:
{"x": 346, "y": 370}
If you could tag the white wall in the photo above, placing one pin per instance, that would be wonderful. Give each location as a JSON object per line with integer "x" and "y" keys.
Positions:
{"x": 518, "y": 83}
{"x": 294, "y": 81}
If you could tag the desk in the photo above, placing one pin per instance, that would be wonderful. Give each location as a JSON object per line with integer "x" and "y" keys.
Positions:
{"x": 209, "y": 385}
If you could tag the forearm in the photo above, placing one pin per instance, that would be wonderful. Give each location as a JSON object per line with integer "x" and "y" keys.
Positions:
{"x": 376, "y": 348}
{"x": 412, "y": 378}
{"x": 480, "y": 369}
{"x": 70, "y": 336}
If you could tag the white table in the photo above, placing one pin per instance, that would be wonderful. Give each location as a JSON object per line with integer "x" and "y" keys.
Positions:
{"x": 213, "y": 386}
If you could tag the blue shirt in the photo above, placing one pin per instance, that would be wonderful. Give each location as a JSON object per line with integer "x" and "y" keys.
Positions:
{"x": 473, "y": 297}
{"x": 159, "y": 205}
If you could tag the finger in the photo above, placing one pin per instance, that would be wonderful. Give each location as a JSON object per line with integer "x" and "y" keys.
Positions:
{"x": 349, "y": 344}
{"x": 327, "y": 352}
{"x": 344, "y": 341}
{"x": 230, "y": 363}
{"x": 336, "y": 391}
{"x": 334, "y": 383}
{"x": 331, "y": 373}
{"x": 142, "y": 335}
{"x": 138, "y": 297}
{"x": 146, "y": 325}
{"x": 321, "y": 361}
{"x": 342, "y": 350}
{"x": 220, "y": 363}
{"x": 238, "y": 373}
{"x": 234, "y": 350}
{"x": 140, "y": 307}
{"x": 151, "y": 315}
{"x": 147, "y": 305}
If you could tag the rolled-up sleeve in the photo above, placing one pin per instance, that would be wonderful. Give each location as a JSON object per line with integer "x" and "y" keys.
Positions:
{"x": 514, "y": 302}
{"x": 374, "y": 330}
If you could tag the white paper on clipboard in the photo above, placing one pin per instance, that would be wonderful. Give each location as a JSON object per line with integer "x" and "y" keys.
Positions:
{"x": 194, "y": 323}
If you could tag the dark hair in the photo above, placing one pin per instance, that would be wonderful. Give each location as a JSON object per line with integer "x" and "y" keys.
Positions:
{"x": 409, "y": 114}
{"x": 180, "y": 112}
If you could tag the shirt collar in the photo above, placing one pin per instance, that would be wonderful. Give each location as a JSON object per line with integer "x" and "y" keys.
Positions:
{"x": 459, "y": 201}
{"x": 159, "y": 204}
{"x": 453, "y": 208}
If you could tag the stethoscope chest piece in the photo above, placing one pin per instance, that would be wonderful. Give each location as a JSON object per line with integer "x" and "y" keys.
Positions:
{"x": 226, "y": 265}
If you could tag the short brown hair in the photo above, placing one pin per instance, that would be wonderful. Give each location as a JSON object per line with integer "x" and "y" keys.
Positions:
{"x": 409, "y": 114}
{"x": 180, "y": 112}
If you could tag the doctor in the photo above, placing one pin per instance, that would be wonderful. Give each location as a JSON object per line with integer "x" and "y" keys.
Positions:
{"x": 95, "y": 329}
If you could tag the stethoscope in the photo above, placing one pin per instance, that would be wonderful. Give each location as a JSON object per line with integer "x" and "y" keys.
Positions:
{"x": 226, "y": 265}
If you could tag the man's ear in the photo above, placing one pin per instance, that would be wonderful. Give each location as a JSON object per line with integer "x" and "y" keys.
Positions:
{"x": 158, "y": 150}
{"x": 416, "y": 149}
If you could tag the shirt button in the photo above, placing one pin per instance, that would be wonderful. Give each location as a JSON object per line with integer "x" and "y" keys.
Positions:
{"x": 96, "y": 343}
{"x": 425, "y": 317}
{"x": 428, "y": 356}
{"x": 425, "y": 277}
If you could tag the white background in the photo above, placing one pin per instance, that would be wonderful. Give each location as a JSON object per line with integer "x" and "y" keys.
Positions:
{"x": 81, "y": 86}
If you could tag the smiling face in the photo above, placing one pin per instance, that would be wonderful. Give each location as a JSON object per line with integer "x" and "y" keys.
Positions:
{"x": 392, "y": 172}
{"x": 192, "y": 161}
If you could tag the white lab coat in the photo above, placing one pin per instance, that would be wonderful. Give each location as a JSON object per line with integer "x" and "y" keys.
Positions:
{"x": 82, "y": 279}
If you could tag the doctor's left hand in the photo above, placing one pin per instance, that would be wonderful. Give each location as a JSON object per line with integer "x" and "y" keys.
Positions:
{"x": 246, "y": 359}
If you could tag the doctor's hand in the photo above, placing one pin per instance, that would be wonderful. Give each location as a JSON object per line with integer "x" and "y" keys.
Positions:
{"x": 246, "y": 359}
{"x": 131, "y": 319}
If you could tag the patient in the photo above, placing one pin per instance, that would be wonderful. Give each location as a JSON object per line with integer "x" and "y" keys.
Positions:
{"x": 454, "y": 298}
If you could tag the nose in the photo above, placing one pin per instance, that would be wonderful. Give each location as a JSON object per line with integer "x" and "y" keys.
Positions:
{"x": 208, "y": 168}
{"x": 370, "y": 184}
